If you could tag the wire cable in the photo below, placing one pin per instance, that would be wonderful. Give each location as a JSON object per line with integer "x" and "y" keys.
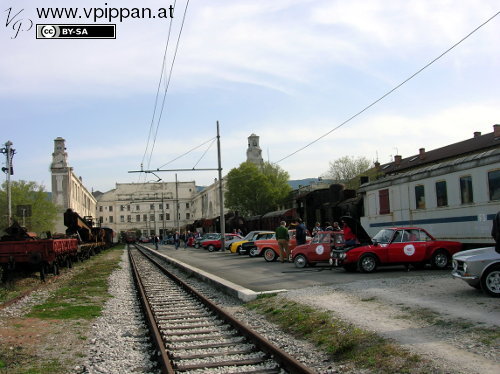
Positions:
{"x": 158, "y": 89}
{"x": 191, "y": 150}
{"x": 203, "y": 155}
{"x": 391, "y": 91}
{"x": 168, "y": 83}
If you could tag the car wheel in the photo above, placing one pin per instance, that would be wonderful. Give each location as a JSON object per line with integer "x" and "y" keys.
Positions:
{"x": 490, "y": 281}
{"x": 253, "y": 252}
{"x": 238, "y": 250}
{"x": 300, "y": 261}
{"x": 367, "y": 263}
{"x": 440, "y": 260}
{"x": 197, "y": 246}
{"x": 269, "y": 255}
{"x": 211, "y": 248}
{"x": 351, "y": 268}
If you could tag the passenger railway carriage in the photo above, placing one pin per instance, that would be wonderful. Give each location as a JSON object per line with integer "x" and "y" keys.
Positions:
{"x": 453, "y": 199}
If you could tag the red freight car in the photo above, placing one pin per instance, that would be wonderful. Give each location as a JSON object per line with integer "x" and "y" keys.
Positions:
{"x": 45, "y": 255}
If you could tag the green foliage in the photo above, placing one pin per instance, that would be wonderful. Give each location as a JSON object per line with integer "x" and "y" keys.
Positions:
{"x": 43, "y": 211}
{"x": 345, "y": 169}
{"x": 253, "y": 190}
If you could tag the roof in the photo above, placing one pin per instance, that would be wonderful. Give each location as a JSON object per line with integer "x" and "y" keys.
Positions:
{"x": 473, "y": 145}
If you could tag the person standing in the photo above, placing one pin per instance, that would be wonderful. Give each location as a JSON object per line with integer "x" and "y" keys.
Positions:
{"x": 317, "y": 228}
{"x": 283, "y": 237}
{"x": 495, "y": 231}
{"x": 300, "y": 232}
{"x": 349, "y": 237}
{"x": 336, "y": 226}
{"x": 177, "y": 239}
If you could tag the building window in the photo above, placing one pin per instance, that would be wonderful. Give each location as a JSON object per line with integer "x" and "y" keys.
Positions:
{"x": 383, "y": 196}
{"x": 167, "y": 216}
{"x": 187, "y": 215}
{"x": 167, "y": 206}
{"x": 128, "y": 208}
{"x": 419, "y": 197}
{"x": 110, "y": 208}
{"x": 101, "y": 219}
{"x": 129, "y": 218}
{"x": 160, "y": 206}
{"x": 494, "y": 184}
{"x": 161, "y": 217}
{"x": 122, "y": 218}
{"x": 441, "y": 194}
{"x": 187, "y": 205}
{"x": 137, "y": 207}
{"x": 100, "y": 208}
{"x": 151, "y": 206}
{"x": 122, "y": 208}
{"x": 151, "y": 217}
{"x": 145, "y": 217}
{"x": 466, "y": 190}
{"x": 110, "y": 219}
{"x": 138, "y": 218}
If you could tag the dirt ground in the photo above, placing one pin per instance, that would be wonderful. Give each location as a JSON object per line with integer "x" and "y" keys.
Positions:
{"x": 437, "y": 317}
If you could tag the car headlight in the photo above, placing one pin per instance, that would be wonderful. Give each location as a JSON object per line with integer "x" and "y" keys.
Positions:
{"x": 454, "y": 264}
{"x": 465, "y": 267}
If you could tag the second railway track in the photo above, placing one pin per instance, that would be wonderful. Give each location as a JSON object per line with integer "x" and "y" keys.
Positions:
{"x": 193, "y": 335}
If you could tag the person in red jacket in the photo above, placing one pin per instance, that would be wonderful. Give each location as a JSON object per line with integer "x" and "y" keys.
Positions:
{"x": 349, "y": 237}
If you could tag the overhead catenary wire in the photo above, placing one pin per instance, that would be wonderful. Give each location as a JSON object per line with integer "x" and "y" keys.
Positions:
{"x": 191, "y": 150}
{"x": 158, "y": 89}
{"x": 391, "y": 91}
{"x": 168, "y": 82}
{"x": 204, "y": 153}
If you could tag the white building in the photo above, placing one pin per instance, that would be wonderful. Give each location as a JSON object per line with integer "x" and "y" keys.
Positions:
{"x": 151, "y": 208}
{"x": 68, "y": 191}
{"x": 453, "y": 192}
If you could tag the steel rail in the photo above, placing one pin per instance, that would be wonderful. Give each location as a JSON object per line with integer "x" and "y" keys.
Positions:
{"x": 163, "y": 359}
{"x": 287, "y": 362}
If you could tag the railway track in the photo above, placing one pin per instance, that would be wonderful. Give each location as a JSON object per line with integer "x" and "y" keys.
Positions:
{"x": 192, "y": 334}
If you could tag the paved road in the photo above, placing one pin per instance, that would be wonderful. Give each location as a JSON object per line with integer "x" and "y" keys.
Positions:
{"x": 258, "y": 275}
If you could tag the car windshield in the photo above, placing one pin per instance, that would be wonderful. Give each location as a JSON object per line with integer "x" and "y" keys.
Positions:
{"x": 250, "y": 235}
{"x": 384, "y": 236}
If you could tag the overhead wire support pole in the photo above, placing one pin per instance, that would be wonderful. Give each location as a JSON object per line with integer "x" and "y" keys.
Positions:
{"x": 221, "y": 195}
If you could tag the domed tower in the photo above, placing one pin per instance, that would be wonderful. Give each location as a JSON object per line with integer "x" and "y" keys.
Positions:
{"x": 254, "y": 153}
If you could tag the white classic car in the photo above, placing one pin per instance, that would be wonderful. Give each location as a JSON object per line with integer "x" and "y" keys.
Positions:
{"x": 480, "y": 268}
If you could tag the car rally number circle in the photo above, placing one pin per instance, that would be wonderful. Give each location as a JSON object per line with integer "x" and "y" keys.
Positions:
{"x": 409, "y": 250}
{"x": 320, "y": 249}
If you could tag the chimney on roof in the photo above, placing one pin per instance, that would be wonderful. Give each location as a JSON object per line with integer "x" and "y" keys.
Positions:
{"x": 397, "y": 159}
{"x": 496, "y": 131}
{"x": 477, "y": 134}
{"x": 421, "y": 153}
{"x": 377, "y": 165}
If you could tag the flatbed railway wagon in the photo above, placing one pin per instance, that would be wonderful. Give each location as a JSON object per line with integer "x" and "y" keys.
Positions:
{"x": 44, "y": 255}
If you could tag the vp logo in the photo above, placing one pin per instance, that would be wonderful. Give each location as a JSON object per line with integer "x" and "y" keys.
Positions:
{"x": 17, "y": 23}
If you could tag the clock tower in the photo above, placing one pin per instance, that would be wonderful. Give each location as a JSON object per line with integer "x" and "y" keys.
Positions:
{"x": 254, "y": 153}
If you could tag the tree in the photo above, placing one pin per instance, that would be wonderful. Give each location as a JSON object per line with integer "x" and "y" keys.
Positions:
{"x": 43, "y": 211}
{"x": 254, "y": 190}
{"x": 344, "y": 169}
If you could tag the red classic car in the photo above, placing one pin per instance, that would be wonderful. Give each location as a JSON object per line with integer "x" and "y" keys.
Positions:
{"x": 318, "y": 250}
{"x": 214, "y": 243}
{"x": 392, "y": 246}
{"x": 269, "y": 248}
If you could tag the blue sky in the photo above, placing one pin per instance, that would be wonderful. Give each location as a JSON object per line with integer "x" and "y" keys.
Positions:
{"x": 286, "y": 70}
